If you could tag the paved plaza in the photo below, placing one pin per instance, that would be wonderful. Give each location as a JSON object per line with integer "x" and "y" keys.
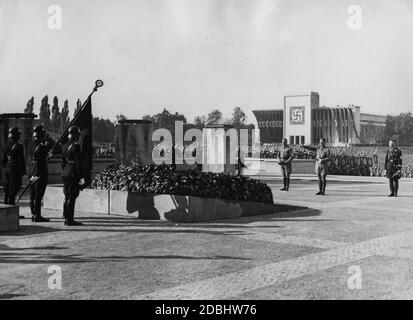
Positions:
{"x": 313, "y": 252}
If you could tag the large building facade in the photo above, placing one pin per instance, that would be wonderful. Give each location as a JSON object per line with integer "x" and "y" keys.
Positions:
{"x": 303, "y": 121}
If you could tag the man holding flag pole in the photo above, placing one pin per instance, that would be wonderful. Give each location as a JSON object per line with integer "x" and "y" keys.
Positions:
{"x": 77, "y": 156}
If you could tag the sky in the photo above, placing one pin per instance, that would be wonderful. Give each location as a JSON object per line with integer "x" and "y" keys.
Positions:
{"x": 193, "y": 56}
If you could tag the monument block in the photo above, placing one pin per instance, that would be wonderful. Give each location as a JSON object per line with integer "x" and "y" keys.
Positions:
{"x": 9, "y": 218}
{"x": 134, "y": 142}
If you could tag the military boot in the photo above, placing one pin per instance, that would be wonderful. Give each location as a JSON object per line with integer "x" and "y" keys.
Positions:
{"x": 284, "y": 185}
{"x": 396, "y": 187}
{"x": 391, "y": 188}
{"x": 323, "y": 190}
{"x": 320, "y": 188}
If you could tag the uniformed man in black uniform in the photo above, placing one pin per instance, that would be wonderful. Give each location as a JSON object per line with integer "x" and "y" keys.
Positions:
{"x": 285, "y": 158}
{"x": 39, "y": 173}
{"x": 14, "y": 166}
{"x": 321, "y": 166}
{"x": 73, "y": 176}
{"x": 393, "y": 166}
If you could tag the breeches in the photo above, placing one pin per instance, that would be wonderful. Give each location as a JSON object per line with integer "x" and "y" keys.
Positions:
{"x": 286, "y": 171}
{"x": 71, "y": 191}
{"x": 37, "y": 191}
{"x": 321, "y": 169}
{"x": 394, "y": 186}
{"x": 12, "y": 184}
{"x": 71, "y": 187}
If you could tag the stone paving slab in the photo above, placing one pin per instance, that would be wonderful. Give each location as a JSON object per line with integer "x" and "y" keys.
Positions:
{"x": 382, "y": 278}
{"x": 234, "y": 284}
{"x": 302, "y": 254}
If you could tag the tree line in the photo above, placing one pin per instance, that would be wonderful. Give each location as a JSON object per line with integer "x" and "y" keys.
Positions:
{"x": 166, "y": 119}
{"x": 400, "y": 127}
{"x": 56, "y": 119}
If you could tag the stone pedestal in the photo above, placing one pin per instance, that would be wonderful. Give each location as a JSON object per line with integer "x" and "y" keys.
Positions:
{"x": 9, "y": 218}
{"x": 134, "y": 142}
{"x": 25, "y": 123}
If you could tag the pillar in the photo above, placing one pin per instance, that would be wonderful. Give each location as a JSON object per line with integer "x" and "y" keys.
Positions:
{"x": 25, "y": 123}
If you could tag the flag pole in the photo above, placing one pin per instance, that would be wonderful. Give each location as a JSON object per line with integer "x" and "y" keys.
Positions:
{"x": 98, "y": 84}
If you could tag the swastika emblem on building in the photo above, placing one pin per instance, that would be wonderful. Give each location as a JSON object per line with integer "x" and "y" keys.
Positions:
{"x": 297, "y": 115}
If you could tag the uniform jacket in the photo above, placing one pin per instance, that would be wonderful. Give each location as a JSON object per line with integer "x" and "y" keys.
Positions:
{"x": 322, "y": 155}
{"x": 71, "y": 160}
{"x": 286, "y": 154}
{"x": 13, "y": 160}
{"x": 39, "y": 159}
{"x": 393, "y": 160}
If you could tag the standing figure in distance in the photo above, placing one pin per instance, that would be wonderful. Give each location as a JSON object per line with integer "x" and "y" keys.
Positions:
{"x": 72, "y": 175}
{"x": 39, "y": 173}
{"x": 393, "y": 166}
{"x": 285, "y": 158}
{"x": 14, "y": 166}
{"x": 321, "y": 166}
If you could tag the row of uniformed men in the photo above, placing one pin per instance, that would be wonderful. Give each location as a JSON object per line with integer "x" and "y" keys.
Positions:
{"x": 14, "y": 168}
{"x": 393, "y": 165}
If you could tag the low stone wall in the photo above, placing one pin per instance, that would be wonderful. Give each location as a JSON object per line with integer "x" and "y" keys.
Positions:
{"x": 9, "y": 218}
{"x": 257, "y": 166}
{"x": 158, "y": 207}
{"x": 89, "y": 200}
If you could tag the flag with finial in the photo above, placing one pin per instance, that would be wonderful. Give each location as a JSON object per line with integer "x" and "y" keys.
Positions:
{"x": 83, "y": 119}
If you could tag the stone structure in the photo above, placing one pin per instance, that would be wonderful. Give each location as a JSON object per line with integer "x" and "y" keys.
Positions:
{"x": 303, "y": 121}
{"x": 218, "y": 145}
{"x": 372, "y": 128}
{"x": 162, "y": 207}
{"x": 133, "y": 140}
{"x": 25, "y": 122}
{"x": 9, "y": 218}
{"x": 270, "y": 124}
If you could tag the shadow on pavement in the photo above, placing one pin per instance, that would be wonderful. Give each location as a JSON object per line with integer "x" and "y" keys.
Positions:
{"x": 4, "y": 247}
{"x": 6, "y": 296}
{"x": 40, "y": 259}
{"x": 26, "y": 230}
{"x": 166, "y": 231}
{"x": 288, "y": 213}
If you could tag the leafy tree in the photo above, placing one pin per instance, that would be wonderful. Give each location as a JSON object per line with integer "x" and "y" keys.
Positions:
{"x": 120, "y": 117}
{"x": 401, "y": 126}
{"x": 167, "y": 120}
{"x": 78, "y": 107}
{"x": 404, "y": 128}
{"x": 56, "y": 114}
{"x": 238, "y": 117}
{"x": 389, "y": 128}
{"x": 103, "y": 130}
{"x": 44, "y": 113}
{"x": 147, "y": 117}
{"x": 200, "y": 120}
{"x": 215, "y": 117}
{"x": 64, "y": 116}
{"x": 29, "y": 106}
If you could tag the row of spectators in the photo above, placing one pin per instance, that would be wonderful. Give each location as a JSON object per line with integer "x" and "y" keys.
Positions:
{"x": 346, "y": 160}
